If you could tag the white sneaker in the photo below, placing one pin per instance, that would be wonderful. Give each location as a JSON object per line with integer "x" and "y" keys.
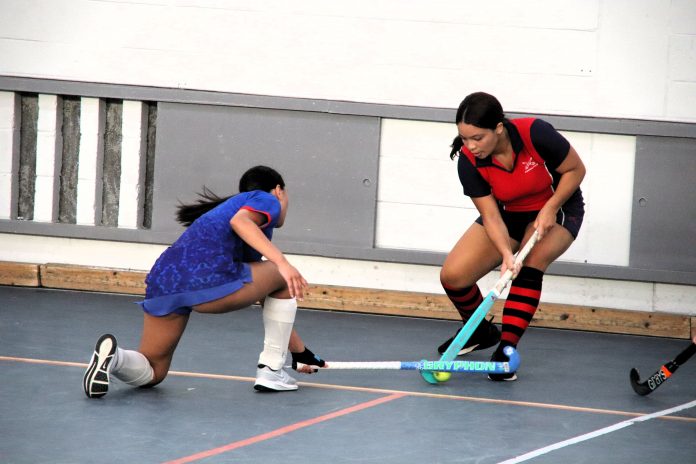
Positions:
{"x": 271, "y": 381}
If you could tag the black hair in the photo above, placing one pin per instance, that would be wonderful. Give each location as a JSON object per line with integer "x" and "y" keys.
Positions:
{"x": 256, "y": 178}
{"x": 479, "y": 109}
{"x": 260, "y": 178}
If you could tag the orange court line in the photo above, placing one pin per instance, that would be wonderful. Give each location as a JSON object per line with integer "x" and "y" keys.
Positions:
{"x": 474, "y": 399}
{"x": 285, "y": 430}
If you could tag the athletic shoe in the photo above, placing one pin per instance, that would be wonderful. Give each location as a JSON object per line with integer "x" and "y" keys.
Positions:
{"x": 269, "y": 380}
{"x": 499, "y": 356}
{"x": 485, "y": 336}
{"x": 96, "y": 379}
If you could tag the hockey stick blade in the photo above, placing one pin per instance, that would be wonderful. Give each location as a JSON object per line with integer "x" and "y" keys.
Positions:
{"x": 480, "y": 313}
{"x": 641, "y": 388}
{"x": 663, "y": 373}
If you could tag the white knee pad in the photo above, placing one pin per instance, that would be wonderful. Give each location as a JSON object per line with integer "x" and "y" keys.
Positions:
{"x": 278, "y": 318}
{"x": 132, "y": 367}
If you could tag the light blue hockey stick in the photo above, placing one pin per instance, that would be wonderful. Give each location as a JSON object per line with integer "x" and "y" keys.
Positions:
{"x": 480, "y": 312}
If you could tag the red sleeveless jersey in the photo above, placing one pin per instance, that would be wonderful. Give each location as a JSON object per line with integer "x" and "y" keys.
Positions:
{"x": 528, "y": 185}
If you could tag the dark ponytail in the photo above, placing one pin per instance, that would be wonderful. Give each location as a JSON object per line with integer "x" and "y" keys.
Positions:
{"x": 457, "y": 145}
{"x": 256, "y": 178}
{"x": 186, "y": 214}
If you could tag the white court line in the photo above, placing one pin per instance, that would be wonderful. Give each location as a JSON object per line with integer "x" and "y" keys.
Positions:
{"x": 597, "y": 433}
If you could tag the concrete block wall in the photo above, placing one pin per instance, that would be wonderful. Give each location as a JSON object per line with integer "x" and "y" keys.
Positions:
{"x": 81, "y": 162}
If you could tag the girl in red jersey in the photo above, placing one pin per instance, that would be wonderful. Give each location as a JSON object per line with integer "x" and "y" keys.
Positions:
{"x": 522, "y": 175}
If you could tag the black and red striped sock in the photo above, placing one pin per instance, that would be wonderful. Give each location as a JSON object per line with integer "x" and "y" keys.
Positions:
{"x": 466, "y": 300}
{"x": 521, "y": 304}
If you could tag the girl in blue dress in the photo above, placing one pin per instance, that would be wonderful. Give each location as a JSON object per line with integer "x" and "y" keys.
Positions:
{"x": 215, "y": 267}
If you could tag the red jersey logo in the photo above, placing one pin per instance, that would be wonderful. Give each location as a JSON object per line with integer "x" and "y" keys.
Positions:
{"x": 529, "y": 165}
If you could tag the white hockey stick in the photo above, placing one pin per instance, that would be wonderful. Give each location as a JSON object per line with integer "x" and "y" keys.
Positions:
{"x": 483, "y": 367}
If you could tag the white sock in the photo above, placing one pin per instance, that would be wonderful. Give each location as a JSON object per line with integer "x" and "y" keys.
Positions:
{"x": 132, "y": 367}
{"x": 278, "y": 318}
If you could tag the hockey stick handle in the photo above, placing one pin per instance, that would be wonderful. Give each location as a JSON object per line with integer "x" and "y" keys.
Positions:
{"x": 685, "y": 355}
{"x": 485, "y": 367}
{"x": 519, "y": 259}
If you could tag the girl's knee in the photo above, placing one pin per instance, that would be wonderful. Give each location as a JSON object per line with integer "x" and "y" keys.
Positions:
{"x": 282, "y": 294}
{"x": 445, "y": 278}
{"x": 540, "y": 264}
{"x": 160, "y": 373}
{"x": 156, "y": 381}
{"x": 160, "y": 367}
{"x": 451, "y": 279}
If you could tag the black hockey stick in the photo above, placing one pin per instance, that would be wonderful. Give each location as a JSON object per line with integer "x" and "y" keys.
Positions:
{"x": 665, "y": 371}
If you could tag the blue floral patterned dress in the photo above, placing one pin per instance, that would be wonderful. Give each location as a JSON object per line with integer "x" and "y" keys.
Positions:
{"x": 209, "y": 260}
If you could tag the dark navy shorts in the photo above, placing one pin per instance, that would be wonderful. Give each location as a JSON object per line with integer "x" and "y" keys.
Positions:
{"x": 569, "y": 216}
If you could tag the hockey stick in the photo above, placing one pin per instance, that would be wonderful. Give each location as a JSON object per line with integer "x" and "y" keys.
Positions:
{"x": 483, "y": 367}
{"x": 478, "y": 315}
{"x": 665, "y": 372}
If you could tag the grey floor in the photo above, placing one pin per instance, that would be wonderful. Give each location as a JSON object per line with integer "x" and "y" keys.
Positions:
{"x": 570, "y": 384}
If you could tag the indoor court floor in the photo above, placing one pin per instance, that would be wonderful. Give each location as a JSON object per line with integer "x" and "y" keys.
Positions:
{"x": 572, "y": 403}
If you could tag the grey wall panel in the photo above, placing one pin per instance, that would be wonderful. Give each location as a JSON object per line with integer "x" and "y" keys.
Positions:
{"x": 663, "y": 229}
{"x": 329, "y": 163}
{"x": 418, "y": 113}
{"x": 328, "y": 153}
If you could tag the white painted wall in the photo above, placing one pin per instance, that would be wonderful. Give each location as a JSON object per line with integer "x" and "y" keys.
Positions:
{"x": 609, "y": 58}
{"x": 133, "y": 146}
{"x": 598, "y": 58}
{"x": 90, "y": 161}
{"x": 7, "y": 125}
{"x": 419, "y": 192}
{"x": 47, "y": 163}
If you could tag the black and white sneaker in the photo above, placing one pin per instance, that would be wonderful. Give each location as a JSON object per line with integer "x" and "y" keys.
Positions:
{"x": 485, "y": 336}
{"x": 96, "y": 379}
{"x": 499, "y": 356}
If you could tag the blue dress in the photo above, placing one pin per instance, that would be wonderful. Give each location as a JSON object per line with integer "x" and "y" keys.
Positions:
{"x": 209, "y": 260}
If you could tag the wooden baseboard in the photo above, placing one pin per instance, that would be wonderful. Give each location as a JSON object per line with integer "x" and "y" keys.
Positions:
{"x": 549, "y": 315}
{"x": 74, "y": 277}
{"x": 365, "y": 300}
{"x": 19, "y": 274}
